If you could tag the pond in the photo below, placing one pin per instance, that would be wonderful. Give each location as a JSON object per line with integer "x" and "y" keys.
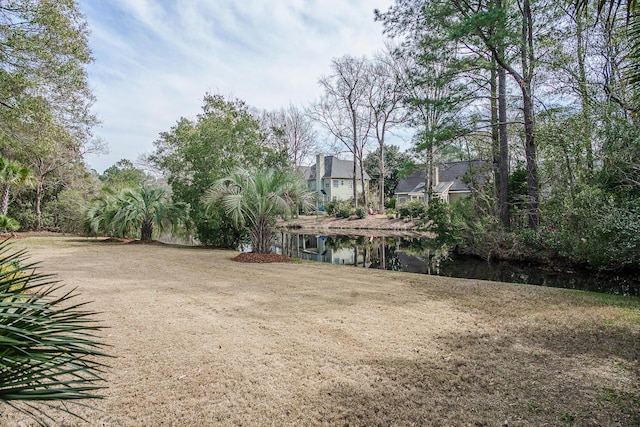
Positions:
{"x": 413, "y": 254}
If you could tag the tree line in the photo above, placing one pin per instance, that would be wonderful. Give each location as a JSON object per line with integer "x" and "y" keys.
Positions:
{"x": 546, "y": 92}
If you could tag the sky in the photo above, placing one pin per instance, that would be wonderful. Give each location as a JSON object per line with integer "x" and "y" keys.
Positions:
{"x": 154, "y": 60}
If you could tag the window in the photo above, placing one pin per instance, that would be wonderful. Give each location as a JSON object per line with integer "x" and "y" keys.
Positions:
{"x": 327, "y": 184}
{"x": 335, "y": 183}
{"x": 342, "y": 182}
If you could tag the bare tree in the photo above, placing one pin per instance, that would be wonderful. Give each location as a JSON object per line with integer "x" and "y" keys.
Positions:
{"x": 385, "y": 102}
{"x": 291, "y": 130}
{"x": 343, "y": 110}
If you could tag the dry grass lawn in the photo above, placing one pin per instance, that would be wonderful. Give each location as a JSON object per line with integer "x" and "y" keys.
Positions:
{"x": 201, "y": 340}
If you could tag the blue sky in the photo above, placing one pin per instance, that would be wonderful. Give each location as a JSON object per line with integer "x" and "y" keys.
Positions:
{"x": 156, "y": 59}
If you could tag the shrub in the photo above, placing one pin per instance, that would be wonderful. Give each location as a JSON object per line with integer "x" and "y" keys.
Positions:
{"x": 596, "y": 229}
{"x": 8, "y": 224}
{"x": 390, "y": 204}
{"x": 344, "y": 208}
{"x": 345, "y": 212}
{"x": 332, "y": 207}
{"x": 412, "y": 209}
{"x": 442, "y": 222}
{"x": 361, "y": 213}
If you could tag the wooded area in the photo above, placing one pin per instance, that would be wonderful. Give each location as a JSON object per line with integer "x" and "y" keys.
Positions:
{"x": 546, "y": 92}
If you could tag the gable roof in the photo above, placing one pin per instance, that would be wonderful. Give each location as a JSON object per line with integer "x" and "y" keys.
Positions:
{"x": 451, "y": 177}
{"x": 336, "y": 168}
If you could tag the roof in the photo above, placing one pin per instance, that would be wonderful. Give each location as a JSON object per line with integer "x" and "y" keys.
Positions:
{"x": 453, "y": 175}
{"x": 336, "y": 168}
{"x": 307, "y": 171}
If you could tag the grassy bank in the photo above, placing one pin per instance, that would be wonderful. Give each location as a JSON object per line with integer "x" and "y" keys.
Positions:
{"x": 203, "y": 340}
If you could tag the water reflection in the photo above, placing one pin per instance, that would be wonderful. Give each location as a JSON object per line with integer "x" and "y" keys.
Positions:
{"x": 417, "y": 255}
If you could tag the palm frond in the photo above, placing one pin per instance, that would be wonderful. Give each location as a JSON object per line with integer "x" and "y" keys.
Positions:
{"x": 49, "y": 348}
{"x": 255, "y": 199}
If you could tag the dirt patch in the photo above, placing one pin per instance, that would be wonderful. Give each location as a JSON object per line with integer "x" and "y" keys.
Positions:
{"x": 202, "y": 340}
{"x": 370, "y": 225}
{"x": 115, "y": 240}
{"x": 260, "y": 258}
{"x": 146, "y": 242}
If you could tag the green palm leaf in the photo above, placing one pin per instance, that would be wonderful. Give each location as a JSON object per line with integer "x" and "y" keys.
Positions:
{"x": 49, "y": 350}
{"x": 255, "y": 199}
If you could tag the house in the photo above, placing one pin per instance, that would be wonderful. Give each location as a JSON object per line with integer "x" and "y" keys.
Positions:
{"x": 332, "y": 179}
{"x": 451, "y": 181}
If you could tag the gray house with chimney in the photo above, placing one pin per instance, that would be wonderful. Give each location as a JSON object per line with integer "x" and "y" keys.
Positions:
{"x": 332, "y": 179}
{"x": 451, "y": 181}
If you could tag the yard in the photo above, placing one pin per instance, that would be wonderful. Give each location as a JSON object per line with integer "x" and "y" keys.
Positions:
{"x": 202, "y": 340}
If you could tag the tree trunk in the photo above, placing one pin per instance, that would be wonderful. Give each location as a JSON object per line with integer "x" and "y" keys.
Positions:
{"x": 582, "y": 85}
{"x": 355, "y": 181}
{"x": 500, "y": 129}
{"x": 528, "y": 60}
{"x": 382, "y": 176}
{"x": 146, "y": 230}
{"x": 355, "y": 158}
{"x": 38, "y": 210}
{"x": 362, "y": 183}
{"x": 261, "y": 237}
{"x": 530, "y": 153}
{"x": 505, "y": 215}
{"x": 495, "y": 138}
{"x": 428, "y": 179}
{"x": 5, "y": 200}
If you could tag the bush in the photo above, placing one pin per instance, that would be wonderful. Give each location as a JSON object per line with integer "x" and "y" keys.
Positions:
{"x": 443, "y": 222}
{"x": 412, "y": 209}
{"x": 8, "y": 224}
{"x": 332, "y": 207}
{"x": 345, "y": 212}
{"x": 390, "y": 204}
{"x": 361, "y": 213}
{"x": 215, "y": 228}
{"x": 596, "y": 229}
{"x": 343, "y": 208}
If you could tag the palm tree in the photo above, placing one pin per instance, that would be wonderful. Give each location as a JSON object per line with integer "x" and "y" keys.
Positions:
{"x": 135, "y": 209}
{"x": 8, "y": 224}
{"x": 255, "y": 199}
{"x": 12, "y": 175}
{"x": 98, "y": 218}
{"x": 48, "y": 345}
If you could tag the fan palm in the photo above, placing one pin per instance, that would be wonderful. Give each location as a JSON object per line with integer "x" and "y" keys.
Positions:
{"x": 12, "y": 175}
{"x": 98, "y": 218}
{"x": 48, "y": 347}
{"x": 134, "y": 210}
{"x": 255, "y": 199}
{"x": 8, "y": 224}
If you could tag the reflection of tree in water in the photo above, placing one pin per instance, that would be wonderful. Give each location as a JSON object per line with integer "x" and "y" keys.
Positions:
{"x": 421, "y": 256}
{"x": 385, "y": 252}
{"x": 339, "y": 242}
{"x": 429, "y": 254}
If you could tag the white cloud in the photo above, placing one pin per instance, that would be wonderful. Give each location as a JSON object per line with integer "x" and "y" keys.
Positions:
{"x": 155, "y": 59}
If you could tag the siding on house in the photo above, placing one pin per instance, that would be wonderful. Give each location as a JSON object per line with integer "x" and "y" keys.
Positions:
{"x": 451, "y": 181}
{"x": 335, "y": 177}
